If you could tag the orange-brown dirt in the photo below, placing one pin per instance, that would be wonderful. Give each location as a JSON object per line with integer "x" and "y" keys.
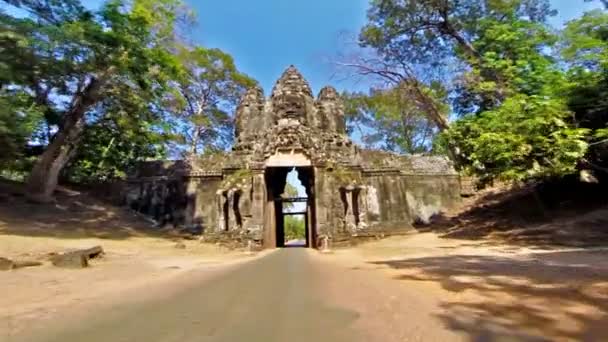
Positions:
{"x": 137, "y": 254}
{"x": 500, "y": 268}
{"x": 483, "y": 290}
{"x": 564, "y": 213}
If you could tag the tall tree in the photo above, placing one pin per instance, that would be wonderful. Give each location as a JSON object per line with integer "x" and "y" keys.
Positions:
{"x": 74, "y": 57}
{"x": 389, "y": 119}
{"x": 585, "y": 49}
{"x": 414, "y": 39}
{"x": 205, "y": 95}
{"x": 517, "y": 128}
{"x": 505, "y": 85}
{"x": 128, "y": 129}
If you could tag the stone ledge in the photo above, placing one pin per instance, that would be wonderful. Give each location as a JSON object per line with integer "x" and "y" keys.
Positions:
{"x": 202, "y": 174}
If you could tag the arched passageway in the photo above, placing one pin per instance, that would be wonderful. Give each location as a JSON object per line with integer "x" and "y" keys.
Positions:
{"x": 283, "y": 206}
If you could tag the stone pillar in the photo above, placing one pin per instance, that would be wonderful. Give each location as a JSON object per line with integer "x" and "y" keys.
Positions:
{"x": 231, "y": 214}
{"x": 322, "y": 201}
{"x": 244, "y": 205}
{"x": 362, "y": 205}
{"x": 349, "y": 216}
{"x": 372, "y": 203}
{"x": 220, "y": 201}
{"x": 192, "y": 214}
{"x": 258, "y": 201}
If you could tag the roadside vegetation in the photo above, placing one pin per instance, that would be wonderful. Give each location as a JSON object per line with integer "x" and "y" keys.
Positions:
{"x": 295, "y": 228}
{"x": 490, "y": 83}
{"x": 85, "y": 94}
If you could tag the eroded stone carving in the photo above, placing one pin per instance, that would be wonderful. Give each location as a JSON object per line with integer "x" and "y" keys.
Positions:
{"x": 352, "y": 191}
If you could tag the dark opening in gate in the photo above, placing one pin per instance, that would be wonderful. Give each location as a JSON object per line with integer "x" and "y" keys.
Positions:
{"x": 289, "y": 211}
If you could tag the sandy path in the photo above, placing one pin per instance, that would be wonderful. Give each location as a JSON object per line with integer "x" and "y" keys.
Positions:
{"x": 38, "y": 294}
{"x": 416, "y": 288}
{"x": 490, "y": 291}
{"x": 287, "y": 295}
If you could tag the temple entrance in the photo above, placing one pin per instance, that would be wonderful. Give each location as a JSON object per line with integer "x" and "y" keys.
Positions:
{"x": 289, "y": 211}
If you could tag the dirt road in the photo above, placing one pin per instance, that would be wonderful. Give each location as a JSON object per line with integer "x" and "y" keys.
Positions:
{"x": 416, "y": 288}
{"x": 287, "y": 295}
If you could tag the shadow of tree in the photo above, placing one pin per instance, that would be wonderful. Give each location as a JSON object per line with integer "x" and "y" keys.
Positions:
{"x": 562, "y": 212}
{"x": 92, "y": 210}
{"x": 547, "y": 297}
{"x": 74, "y": 216}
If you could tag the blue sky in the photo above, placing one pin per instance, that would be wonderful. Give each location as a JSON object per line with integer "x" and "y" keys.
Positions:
{"x": 266, "y": 36}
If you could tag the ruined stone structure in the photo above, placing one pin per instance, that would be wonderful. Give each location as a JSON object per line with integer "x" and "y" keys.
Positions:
{"x": 351, "y": 192}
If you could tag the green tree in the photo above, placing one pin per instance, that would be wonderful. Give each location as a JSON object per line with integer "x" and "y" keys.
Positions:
{"x": 390, "y": 119}
{"x": 527, "y": 137}
{"x": 585, "y": 49}
{"x": 295, "y": 227}
{"x": 117, "y": 141}
{"x": 505, "y": 85}
{"x": 74, "y": 59}
{"x": 206, "y": 93}
{"x": 421, "y": 42}
{"x": 430, "y": 30}
{"x": 19, "y": 118}
{"x": 521, "y": 128}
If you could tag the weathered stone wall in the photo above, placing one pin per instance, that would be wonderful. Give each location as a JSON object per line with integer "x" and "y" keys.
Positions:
{"x": 329, "y": 207}
{"x": 161, "y": 199}
{"x": 202, "y": 212}
{"x": 430, "y": 195}
{"x": 158, "y": 190}
{"x": 386, "y": 192}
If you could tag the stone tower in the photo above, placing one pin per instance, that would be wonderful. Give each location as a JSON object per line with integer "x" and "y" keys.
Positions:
{"x": 350, "y": 192}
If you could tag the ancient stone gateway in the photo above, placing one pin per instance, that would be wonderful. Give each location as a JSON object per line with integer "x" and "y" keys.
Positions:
{"x": 351, "y": 192}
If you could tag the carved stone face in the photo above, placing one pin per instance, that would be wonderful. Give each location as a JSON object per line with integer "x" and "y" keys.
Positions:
{"x": 290, "y": 106}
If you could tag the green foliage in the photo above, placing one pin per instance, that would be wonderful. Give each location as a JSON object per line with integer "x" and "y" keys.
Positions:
{"x": 521, "y": 128}
{"x": 19, "y": 117}
{"x": 112, "y": 147}
{"x": 295, "y": 227}
{"x": 118, "y": 81}
{"x": 205, "y": 95}
{"x": 585, "y": 49}
{"x": 83, "y": 68}
{"x": 237, "y": 178}
{"x": 527, "y": 137}
{"x": 391, "y": 120}
{"x": 431, "y": 31}
{"x": 520, "y": 115}
{"x": 511, "y": 60}
{"x": 586, "y": 40}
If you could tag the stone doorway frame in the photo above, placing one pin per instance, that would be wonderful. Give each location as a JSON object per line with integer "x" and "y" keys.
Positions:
{"x": 275, "y": 180}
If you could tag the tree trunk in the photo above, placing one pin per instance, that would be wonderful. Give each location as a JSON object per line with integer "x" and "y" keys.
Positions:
{"x": 195, "y": 139}
{"x": 447, "y": 29}
{"x": 44, "y": 176}
{"x": 474, "y": 57}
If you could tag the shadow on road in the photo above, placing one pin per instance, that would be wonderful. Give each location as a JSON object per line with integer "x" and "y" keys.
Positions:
{"x": 554, "y": 296}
